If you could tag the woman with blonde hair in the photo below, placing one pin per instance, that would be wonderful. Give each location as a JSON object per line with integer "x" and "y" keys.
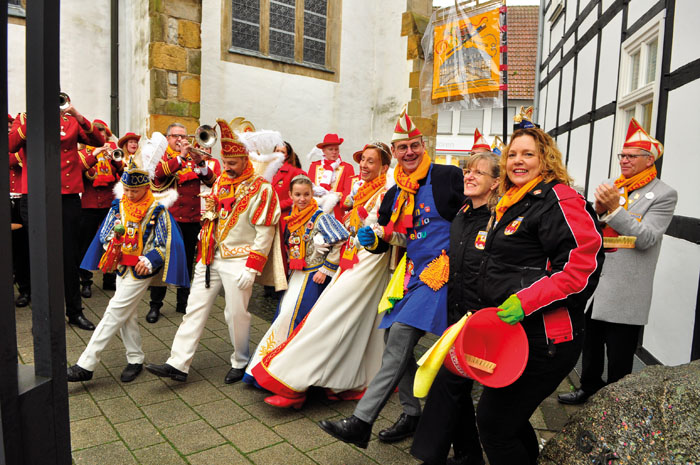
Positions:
{"x": 448, "y": 416}
{"x": 541, "y": 262}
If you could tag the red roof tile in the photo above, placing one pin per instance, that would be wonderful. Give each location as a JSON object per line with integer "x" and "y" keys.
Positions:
{"x": 522, "y": 51}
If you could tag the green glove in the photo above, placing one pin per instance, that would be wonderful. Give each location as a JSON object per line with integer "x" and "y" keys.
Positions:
{"x": 511, "y": 310}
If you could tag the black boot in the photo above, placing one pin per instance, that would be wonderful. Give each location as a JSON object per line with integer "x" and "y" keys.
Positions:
{"x": 109, "y": 282}
{"x": 81, "y": 322}
{"x": 404, "y": 427}
{"x": 351, "y": 430}
{"x": 153, "y": 314}
{"x": 167, "y": 371}
{"x": 78, "y": 373}
{"x": 183, "y": 294}
{"x": 22, "y": 300}
{"x": 86, "y": 290}
{"x": 577, "y": 397}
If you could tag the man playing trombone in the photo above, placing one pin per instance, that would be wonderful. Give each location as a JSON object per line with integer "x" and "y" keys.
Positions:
{"x": 184, "y": 170}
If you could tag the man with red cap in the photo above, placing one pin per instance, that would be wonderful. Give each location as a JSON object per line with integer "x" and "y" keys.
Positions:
{"x": 640, "y": 205}
{"x": 20, "y": 241}
{"x": 185, "y": 171}
{"x": 74, "y": 129}
{"x": 331, "y": 175}
{"x": 100, "y": 174}
{"x": 240, "y": 223}
{"x": 416, "y": 213}
{"x": 480, "y": 144}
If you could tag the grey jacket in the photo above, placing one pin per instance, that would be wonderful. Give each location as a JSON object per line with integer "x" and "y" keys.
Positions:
{"x": 624, "y": 291}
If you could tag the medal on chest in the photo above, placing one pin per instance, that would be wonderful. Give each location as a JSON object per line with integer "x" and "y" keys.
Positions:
{"x": 131, "y": 237}
{"x": 480, "y": 241}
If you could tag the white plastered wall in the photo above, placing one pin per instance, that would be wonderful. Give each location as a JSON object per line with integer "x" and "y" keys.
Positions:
{"x": 134, "y": 84}
{"x": 361, "y": 107}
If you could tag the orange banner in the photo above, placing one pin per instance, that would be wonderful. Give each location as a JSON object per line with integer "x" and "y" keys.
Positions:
{"x": 466, "y": 57}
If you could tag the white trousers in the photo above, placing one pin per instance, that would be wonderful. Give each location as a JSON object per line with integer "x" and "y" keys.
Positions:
{"x": 121, "y": 315}
{"x": 223, "y": 273}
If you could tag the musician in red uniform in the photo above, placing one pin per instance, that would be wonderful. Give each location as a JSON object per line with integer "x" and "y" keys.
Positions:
{"x": 100, "y": 175}
{"x": 129, "y": 143}
{"x": 330, "y": 175}
{"x": 20, "y": 243}
{"x": 185, "y": 171}
{"x": 74, "y": 128}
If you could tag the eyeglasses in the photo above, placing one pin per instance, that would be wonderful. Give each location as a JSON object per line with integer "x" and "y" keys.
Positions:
{"x": 476, "y": 173}
{"x": 177, "y": 136}
{"x": 621, "y": 156}
{"x": 403, "y": 148}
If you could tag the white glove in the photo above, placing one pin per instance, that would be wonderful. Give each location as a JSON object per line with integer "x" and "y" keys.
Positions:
{"x": 146, "y": 262}
{"x": 320, "y": 251}
{"x": 246, "y": 278}
{"x": 320, "y": 191}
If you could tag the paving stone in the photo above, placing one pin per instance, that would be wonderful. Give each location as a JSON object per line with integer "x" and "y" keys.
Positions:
{"x": 169, "y": 413}
{"x": 273, "y": 454}
{"x": 76, "y": 389}
{"x": 272, "y": 416}
{"x": 113, "y": 358}
{"x": 112, "y": 453}
{"x": 139, "y": 433}
{"x": 337, "y": 453}
{"x": 537, "y": 420}
{"x": 82, "y": 406}
{"x": 151, "y": 344}
{"x": 304, "y": 433}
{"x": 193, "y": 437}
{"x": 387, "y": 454}
{"x": 316, "y": 410}
{"x": 222, "y": 412}
{"x": 250, "y": 435}
{"x": 213, "y": 323}
{"x": 196, "y": 393}
{"x": 217, "y": 344}
{"x": 159, "y": 454}
{"x": 104, "y": 388}
{"x": 91, "y": 432}
{"x": 205, "y": 358}
{"x": 215, "y": 375}
{"x": 120, "y": 409}
{"x": 165, "y": 333}
{"x": 221, "y": 455}
{"x": 149, "y": 392}
{"x": 244, "y": 394}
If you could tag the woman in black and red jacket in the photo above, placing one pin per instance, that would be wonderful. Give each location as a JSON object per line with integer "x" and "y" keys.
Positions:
{"x": 541, "y": 263}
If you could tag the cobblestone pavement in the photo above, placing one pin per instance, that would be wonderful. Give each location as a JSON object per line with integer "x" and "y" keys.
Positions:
{"x": 204, "y": 421}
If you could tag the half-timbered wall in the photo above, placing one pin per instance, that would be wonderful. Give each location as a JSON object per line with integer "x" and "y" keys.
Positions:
{"x": 602, "y": 62}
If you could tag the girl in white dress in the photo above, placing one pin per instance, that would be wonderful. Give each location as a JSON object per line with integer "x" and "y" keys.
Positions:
{"x": 338, "y": 345}
{"x": 313, "y": 241}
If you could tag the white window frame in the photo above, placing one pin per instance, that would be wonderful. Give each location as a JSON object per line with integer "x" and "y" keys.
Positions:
{"x": 636, "y": 99}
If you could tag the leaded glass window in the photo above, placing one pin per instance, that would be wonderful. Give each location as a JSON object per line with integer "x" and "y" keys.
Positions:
{"x": 282, "y": 24}
{"x": 315, "y": 16}
{"x": 245, "y": 24}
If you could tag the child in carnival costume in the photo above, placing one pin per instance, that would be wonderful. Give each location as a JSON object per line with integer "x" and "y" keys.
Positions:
{"x": 313, "y": 240}
{"x": 137, "y": 239}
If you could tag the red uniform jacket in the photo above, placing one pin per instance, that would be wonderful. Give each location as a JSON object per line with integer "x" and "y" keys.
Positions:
{"x": 340, "y": 184}
{"x": 16, "y": 165}
{"x": 72, "y": 132}
{"x": 102, "y": 196}
{"x": 280, "y": 182}
{"x": 187, "y": 208}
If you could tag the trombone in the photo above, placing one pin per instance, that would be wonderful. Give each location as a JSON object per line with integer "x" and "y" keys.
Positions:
{"x": 206, "y": 137}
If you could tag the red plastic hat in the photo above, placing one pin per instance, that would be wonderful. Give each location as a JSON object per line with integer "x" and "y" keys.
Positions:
{"x": 126, "y": 137}
{"x": 330, "y": 139}
{"x": 480, "y": 141}
{"x": 104, "y": 125}
{"x": 485, "y": 339}
{"x": 638, "y": 138}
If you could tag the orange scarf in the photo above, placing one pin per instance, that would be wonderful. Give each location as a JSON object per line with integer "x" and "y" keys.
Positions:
{"x": 402, "y": 213}
{"x": 356, "y": 218}
{"x": 296, "y": 223}
{"x": 637, "y": 181}
{"x": 132, "y": 215}
{"x": 513, "y": 196}
{"x": 104, "y": 173}
{"x": 186, "y": 171}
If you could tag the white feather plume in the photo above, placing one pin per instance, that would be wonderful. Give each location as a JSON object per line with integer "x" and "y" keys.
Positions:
{"x": 152, "y": 152}
{"x": 262, "y": 142}
{"x": 314, "y": 154}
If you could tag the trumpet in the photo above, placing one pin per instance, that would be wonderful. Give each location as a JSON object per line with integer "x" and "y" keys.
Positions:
{"x": 63, "y": 101}
{"x": 117, "y": 154}
{"x": 206, "y": 137}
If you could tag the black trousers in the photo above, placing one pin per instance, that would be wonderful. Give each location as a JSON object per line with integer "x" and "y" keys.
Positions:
{"x": 70, "y": 204}
{"x": 20, "y": 250}
{"x": 90, "y": 222}
{"x": 448, "y": 420}
{"x": 190, "y": 233}
{"x": 618, "y": 340}
{"x": 503, "y": 414}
